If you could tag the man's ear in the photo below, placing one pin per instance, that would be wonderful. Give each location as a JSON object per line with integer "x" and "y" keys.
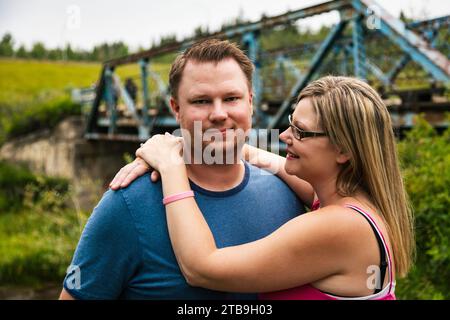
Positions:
{"x": 251, "y": 102}
{"x": 175, "y": 108}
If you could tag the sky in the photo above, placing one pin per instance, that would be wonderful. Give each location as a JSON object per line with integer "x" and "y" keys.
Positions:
{"x": 86, "y": 23}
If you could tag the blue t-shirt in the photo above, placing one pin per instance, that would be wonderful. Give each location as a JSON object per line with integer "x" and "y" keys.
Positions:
{"x": 125, "y": 252}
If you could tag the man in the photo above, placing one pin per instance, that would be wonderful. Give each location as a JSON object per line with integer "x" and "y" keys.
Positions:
{"x": 124, "y": 251}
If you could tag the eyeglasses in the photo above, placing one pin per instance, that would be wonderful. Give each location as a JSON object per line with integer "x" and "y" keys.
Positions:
{"x": 299, "y": 134}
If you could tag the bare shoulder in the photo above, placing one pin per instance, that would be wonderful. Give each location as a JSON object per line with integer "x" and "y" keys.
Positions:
{"x": 350, "y": 218}
{"x": 337, "y": 218}
{"x": 334, "y": 225}
{"x": 352, "y": 232}
{"x": 338, "y": 224}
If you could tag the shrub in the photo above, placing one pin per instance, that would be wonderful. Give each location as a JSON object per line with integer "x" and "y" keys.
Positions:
{"x": 42, "y": 115}
{"x": 36, "y": 246}
{"x": 38, "y": 231}
{"x": 425, "y": 159}
{"x": 19, "y": 187}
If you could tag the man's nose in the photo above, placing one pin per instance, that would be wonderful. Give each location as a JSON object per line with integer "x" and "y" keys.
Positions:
{"x": 218, "y": 112}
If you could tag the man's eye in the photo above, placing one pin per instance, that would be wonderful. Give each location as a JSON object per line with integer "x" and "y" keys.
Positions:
{"x": 201, "y": 101}
{"x": 231, "y": 99}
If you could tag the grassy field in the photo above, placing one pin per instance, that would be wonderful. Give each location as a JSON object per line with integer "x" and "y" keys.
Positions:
{"x": 31, "y": 92}
{"x": 25, "y": 81}
{"x": 37, "y": 247}
{"x": 39, "y": 228}
{"x": 35, "y": 94}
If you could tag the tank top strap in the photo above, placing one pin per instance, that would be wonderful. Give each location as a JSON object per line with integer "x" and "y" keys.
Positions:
{"x": 380, "y": 236}
{"x": 315, "y": 205}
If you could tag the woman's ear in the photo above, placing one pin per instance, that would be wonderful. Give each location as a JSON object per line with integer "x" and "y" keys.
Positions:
{"x": 342, "y": 157}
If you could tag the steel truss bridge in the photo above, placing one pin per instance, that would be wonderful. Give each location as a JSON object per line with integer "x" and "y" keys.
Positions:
{"x": 367, "y": 42}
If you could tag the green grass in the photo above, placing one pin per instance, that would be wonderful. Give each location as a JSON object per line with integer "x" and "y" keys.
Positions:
{"x": 36, "y": 94}
{"x": 37, "y": 247}
{"x": 25, "y": 81}
{"x": 38, "y": 231}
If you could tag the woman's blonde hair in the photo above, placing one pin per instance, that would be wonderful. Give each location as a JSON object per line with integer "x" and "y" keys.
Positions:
{"x": 356, "y": 120}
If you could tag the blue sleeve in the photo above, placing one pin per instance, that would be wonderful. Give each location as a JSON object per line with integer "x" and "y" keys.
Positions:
{"x": 108, "y": 253}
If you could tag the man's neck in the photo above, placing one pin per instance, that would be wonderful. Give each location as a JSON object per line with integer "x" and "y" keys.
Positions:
{"x": 216, "y": 177}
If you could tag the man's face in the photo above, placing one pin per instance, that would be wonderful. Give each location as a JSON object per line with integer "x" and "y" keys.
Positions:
{"x": 216, "y": 98}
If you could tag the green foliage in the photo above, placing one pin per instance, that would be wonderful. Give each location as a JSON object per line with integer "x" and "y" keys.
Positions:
{"x": 107, "y": 51}
{"x": 37, "y": 243}
{"x": 12, "y": 183}
{"x": 19, "y": 187}
{"x": 38, "y": 51}
{"x": 44, "y": 115}
{"x": 290, "y": 35}
{"x": 38, "y": 230}
{"x": 102, "y": 52}
{"x": 23, "y": 82}
{"x": 35, "y": 94}
{"x": 128, "y": 158}
{"x": 22, "y": 52}
{"x": 6, "y": 46}
{"x": 426, "y": 161}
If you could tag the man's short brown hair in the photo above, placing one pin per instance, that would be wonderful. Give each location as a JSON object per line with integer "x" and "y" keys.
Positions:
{"x": 211, "y": 50}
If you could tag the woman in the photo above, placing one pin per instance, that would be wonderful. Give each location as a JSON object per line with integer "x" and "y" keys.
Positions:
{"x": 342, "y": 159}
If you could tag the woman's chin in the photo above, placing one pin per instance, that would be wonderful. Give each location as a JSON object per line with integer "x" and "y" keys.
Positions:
{"x": 293, "y": 170}
{"x": 289, "y": 169}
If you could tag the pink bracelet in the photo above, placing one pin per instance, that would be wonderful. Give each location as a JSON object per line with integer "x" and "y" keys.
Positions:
{"x": 178, "y": 196}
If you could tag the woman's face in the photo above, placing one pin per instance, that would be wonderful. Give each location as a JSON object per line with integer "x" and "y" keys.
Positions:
{"x": 311, "y": 158}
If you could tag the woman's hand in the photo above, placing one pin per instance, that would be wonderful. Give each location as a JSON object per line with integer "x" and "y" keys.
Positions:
{"x": 139, "y": 166}
{"x": 131, "y": 172}
{"x": 162, "y": 151}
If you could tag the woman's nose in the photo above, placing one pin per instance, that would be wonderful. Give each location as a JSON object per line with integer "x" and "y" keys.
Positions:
{"x": 286, "y": 136}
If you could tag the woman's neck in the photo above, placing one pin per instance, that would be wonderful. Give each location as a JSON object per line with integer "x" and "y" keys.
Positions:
{"x": 328, "y": 194}
{"x": 326, "y": 191}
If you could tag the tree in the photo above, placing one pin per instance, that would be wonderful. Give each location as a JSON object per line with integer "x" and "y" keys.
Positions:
{"x": 38, "y": 51}
{"x": 167, "y": 39}
{"x": 6, "y": 46}
{"x": 425, "y": 161}
{"x": 200, "y": 31}
{"x": 404, "y": 18}
{"x": 22, "y": 52}
{"x": 55, "y": 54}
{"x": 68, "y": 53}
{"x": 118, "y": 49}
